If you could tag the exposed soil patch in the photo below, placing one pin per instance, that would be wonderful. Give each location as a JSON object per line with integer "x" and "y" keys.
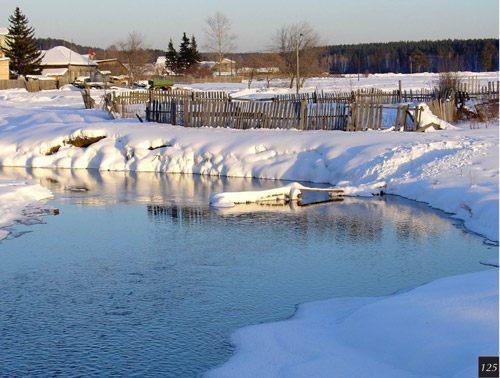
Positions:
{"x": 84, "y": 141}
{"x": 53, "y": 150}
{"x": 79, "y": 141}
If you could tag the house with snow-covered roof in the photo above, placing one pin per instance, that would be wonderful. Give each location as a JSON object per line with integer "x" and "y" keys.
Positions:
{"x": 64, "y": 63}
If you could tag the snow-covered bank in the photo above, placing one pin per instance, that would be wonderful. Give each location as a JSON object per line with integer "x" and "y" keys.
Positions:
{"x": 436, "y": 330}
{"x": 17, "y": 200}
{"x": 454, "y": 170}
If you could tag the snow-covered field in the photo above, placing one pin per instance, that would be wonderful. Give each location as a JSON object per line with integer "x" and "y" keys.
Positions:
{"x": 448, "y": 322}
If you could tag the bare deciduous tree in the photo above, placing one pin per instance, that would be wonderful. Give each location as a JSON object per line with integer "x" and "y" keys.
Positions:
{"x": 270, "y": 66}
{"x": 220, "y": 39}
{"x": 290, "y": 38}
{"x": 135, "y": 56}
{"x": 251, "y": 67}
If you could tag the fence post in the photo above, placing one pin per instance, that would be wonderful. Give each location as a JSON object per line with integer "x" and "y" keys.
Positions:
{"x": 303, "y": 113}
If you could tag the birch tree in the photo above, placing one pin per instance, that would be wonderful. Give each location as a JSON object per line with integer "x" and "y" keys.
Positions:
{"x": 219, "y": 37}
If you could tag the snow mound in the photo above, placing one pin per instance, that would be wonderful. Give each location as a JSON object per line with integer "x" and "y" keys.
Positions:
{"x": 435, "y": 330}
{"x": 289, "y": 192}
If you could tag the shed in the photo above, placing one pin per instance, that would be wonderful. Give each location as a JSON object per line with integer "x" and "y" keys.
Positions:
{"x": 113, "y": 66}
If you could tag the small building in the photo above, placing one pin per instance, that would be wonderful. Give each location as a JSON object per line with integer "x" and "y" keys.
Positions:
{"x": 111, "y": 66}
{"x": 4, "y": 68}
{"x": 61, "y": 57}
{"x": 3, "y": 40}
{"x": 227, "y": 67}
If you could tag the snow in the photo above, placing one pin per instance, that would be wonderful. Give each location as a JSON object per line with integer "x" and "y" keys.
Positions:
{"x": 54, "y": 71}
{"x": 289, "y": 192}
{"x": 447, "y": 323}
{"x": 17, "y": 199}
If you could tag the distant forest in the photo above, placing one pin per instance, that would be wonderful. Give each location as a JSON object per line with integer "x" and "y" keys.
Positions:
{"x": 404, "y": 57}
{"x": 474, "y": 55}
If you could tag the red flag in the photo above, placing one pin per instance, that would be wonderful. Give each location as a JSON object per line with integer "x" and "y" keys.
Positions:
{"x": 90, "y": 51}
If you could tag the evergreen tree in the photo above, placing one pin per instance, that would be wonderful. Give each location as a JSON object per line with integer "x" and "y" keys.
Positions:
{"x": 171, "y": 60}
{"x": 420, "y": 61}
{"x": 184, "y": 54}
{"x": 21, "y": 49}
{"x": 195, "y": 56}
{"x": 486, "y": 56}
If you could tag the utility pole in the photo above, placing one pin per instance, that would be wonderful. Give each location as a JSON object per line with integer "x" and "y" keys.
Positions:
{"x": 298, "y": 72}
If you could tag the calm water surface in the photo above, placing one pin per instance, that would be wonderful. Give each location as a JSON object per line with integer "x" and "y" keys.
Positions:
{"x": 138, "y": 277}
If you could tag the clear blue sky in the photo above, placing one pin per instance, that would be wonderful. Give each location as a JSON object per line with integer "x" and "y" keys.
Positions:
{"x": 104, "y": 22}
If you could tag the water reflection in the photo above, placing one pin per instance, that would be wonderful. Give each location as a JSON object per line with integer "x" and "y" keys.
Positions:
{"x": 178, "y": 214}
{"x": 93, "y": 187}
{"x": 184, "y": 198}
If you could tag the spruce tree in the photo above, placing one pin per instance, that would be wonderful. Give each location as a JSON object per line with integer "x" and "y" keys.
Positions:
{"x": 184, "y": 52}
{"x": 24, "y": 55}
{"x": 171, "y": 58}
{"x": 194, "y": 56}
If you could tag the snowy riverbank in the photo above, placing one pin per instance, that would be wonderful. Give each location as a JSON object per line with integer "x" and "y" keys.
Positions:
{"x": 19, "y": 202}
{"x": 455, "y": 170}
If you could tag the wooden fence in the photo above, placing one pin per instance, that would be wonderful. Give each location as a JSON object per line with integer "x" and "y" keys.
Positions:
{"x": 366, "y": 96}
{"x": 143, "y": 97}
{"x": 322, "y": 115}
{"x": 12, "y": 84}
{"x": 31, "y": 85}
{"x": 356, "y": 111}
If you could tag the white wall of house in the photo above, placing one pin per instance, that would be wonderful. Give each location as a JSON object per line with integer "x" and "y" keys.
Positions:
{"x": 4, "y": 68}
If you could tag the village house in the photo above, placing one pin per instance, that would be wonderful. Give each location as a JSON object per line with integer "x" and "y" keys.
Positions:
{"x": 227, "y": 67}
{"x": 4, "y": 62}
{"x": 66, "y": 65}
{"x": 3, "y": 40}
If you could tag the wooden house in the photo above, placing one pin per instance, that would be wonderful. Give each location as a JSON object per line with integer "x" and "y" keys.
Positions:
{"x": 67, "y": 64}
{"x": 3, "y": 40}
{"x": 4, "y": 68}
{"x": 227, "y": 67}
{"x": 111, "y": 66}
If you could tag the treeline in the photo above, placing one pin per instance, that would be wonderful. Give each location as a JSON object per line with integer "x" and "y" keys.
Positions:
{"x": 410, "y": 57}
{"x": 474, "y": 55}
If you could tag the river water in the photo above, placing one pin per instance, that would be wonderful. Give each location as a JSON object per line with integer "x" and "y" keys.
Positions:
{"x": 138, "y": 277}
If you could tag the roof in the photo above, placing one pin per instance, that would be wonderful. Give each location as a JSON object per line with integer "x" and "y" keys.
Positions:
{"x": 105, "y": 60}
{"x": 4, "y": 30}
{"x": 54, "y": 71}
{"x": 40, "y": 77}
{"x": 61, "y": 55}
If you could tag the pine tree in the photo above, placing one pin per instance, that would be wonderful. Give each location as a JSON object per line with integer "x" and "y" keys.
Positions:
{"x": 24, "y": 55}
{"x": 184, "y": 53}
{"x": 171, "y": 58}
